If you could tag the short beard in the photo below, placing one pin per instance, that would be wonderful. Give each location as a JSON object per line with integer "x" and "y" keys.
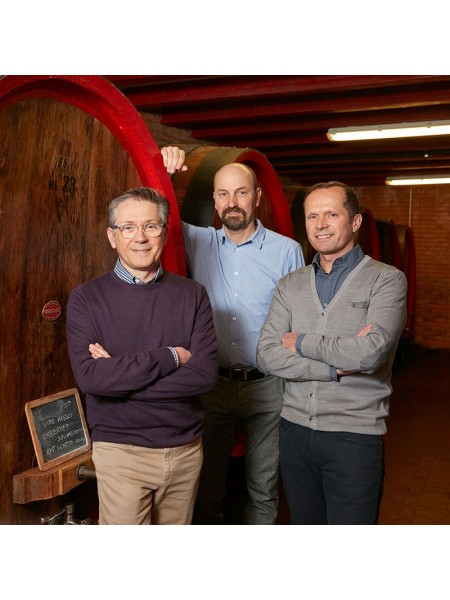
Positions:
{"x": 234, "y": 223}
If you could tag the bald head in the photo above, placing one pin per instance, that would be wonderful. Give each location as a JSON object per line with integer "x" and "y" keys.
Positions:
{"x": 235, "y": 170}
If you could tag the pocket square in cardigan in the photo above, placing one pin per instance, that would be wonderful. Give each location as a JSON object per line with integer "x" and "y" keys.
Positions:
{"x": 362, "y": 305}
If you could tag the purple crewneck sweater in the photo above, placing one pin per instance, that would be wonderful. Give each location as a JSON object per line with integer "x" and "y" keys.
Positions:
{"x": 138, "y": 396}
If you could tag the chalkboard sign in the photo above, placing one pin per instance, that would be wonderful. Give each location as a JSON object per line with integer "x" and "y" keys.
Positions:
{"x": 58, "y": 428}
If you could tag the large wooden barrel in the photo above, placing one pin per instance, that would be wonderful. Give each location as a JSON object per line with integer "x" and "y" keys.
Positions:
{"x": 408, "y": 262}
{"x": 194, "y": 187}
{"x": 69, "y": 145}
{"x": 389, "y": 243}
{"x": 391, "y": 255}
{"x": 367, "y": 235}
{"x": 295, "y": 195}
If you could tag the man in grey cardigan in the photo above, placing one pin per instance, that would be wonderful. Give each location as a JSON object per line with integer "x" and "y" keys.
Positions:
{"x": 331, "y": 332}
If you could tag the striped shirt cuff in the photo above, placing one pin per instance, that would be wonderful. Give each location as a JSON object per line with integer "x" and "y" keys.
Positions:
{"x": 175, "y": 355}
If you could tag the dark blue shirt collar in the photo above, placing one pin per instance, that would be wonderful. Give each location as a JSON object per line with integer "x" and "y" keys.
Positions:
{"x": 349, "y": 260}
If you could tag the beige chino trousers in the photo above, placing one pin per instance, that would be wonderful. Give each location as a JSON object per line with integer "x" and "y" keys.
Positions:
{"x": 146, "y": 486}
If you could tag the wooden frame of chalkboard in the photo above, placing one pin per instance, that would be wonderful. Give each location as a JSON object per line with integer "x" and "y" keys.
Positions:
{"x": 58, "y": 428}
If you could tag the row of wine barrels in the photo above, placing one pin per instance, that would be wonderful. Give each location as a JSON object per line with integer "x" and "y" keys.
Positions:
{"x": 389, "y": 243}
{"x": 295, "y": 195}
{"x": 408, "y": 262}
{"x": 367, "y": 235}
{"x": 397, "y": 248}
{"x": 69, "y": 145}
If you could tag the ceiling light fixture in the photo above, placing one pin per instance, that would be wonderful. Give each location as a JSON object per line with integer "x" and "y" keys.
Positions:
{"x": 418, "y": 180}
{"x": 393, "y": 130}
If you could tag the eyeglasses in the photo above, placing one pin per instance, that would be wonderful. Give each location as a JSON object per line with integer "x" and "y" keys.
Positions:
{"x": 129, "y": 230}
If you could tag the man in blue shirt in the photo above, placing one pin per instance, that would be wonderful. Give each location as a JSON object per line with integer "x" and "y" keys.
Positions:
{"x": 240, "y": 265}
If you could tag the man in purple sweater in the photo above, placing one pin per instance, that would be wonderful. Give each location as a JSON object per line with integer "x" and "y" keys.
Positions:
{"x": 142, "y": 347}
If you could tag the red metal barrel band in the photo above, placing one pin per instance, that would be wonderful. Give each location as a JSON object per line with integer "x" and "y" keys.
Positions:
{"x": 99, "y": 98}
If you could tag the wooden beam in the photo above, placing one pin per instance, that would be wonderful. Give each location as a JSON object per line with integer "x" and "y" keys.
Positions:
{"x": 348, "y": 103}
{"x": 239, "y": 131}
{"x": 154, "y": 92}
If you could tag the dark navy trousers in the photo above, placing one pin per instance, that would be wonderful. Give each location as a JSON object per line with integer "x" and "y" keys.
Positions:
{"x": 333, "y": 478}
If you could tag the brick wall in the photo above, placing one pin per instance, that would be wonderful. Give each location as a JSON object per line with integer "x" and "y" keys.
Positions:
{"x": 426, "y": 209}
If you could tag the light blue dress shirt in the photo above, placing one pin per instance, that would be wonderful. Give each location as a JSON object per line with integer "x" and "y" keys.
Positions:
{"x": 240, "y": 281}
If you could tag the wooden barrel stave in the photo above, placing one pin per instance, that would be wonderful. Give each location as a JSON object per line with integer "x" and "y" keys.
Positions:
{"x": 295, "y": 195}
{"x": 367, "y": 235}
{"x": 389, "y": 243}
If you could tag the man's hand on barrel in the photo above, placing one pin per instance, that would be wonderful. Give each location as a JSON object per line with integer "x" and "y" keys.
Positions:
{"x": 173, "y": 158}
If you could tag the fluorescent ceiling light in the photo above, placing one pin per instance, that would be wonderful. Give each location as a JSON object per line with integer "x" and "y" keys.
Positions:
{"x": 394, "y": 130}
{"x": 418, "y": 180}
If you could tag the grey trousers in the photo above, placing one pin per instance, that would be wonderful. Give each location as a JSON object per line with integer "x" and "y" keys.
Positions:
{"x": 255, "y": 405}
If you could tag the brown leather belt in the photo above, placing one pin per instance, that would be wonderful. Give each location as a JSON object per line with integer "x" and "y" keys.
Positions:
{"x": 241, "y": 374}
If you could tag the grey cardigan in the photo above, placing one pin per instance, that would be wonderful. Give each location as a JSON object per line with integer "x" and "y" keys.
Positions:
{"x": 372, "y": 293}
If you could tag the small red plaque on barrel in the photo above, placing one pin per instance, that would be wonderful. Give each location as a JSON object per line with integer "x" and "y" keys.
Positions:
{"x": 52, "y": 310}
